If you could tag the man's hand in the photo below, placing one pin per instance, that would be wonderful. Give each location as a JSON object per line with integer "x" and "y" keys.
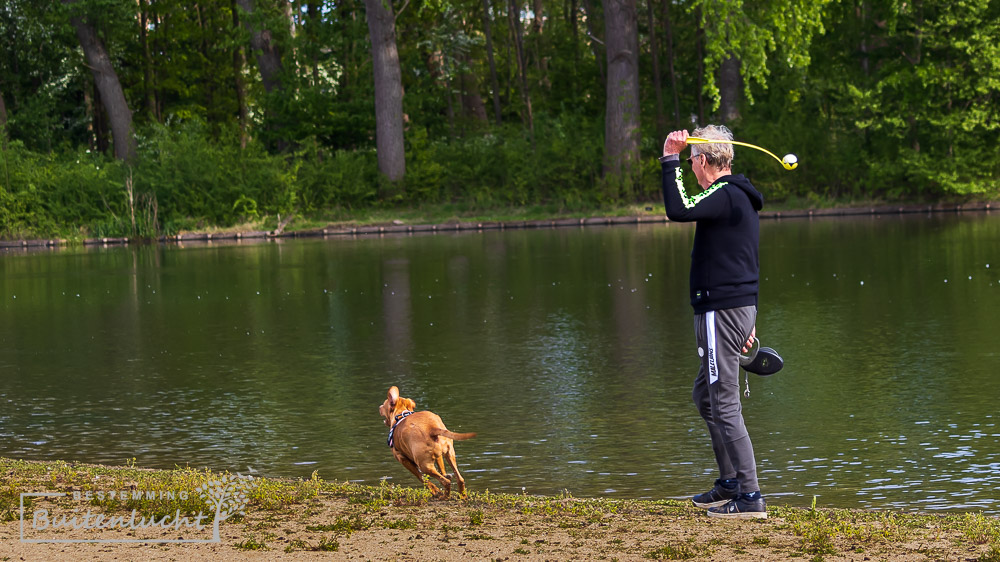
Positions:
{"x": 675, "y": 143}
{"x": 749, "y": 344}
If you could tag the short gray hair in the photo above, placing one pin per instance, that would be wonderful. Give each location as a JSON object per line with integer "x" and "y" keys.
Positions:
{"x": 719, "y": 156}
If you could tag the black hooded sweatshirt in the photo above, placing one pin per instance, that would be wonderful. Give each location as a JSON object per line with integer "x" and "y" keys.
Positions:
{"x": 724, "y": 261}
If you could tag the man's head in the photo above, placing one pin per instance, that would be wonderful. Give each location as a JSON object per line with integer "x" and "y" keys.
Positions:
{"x": 718, "y": 156}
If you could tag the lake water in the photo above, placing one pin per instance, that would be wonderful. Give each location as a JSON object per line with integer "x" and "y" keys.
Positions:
{"x": 570, "y": 351}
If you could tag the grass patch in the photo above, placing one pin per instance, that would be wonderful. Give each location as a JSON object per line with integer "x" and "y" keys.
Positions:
{"x": 407, "y": 523}
{"x": 479, "y": 537}
{"x": 326, "y": 545}
{"x": 251, "y": 543}
{"x": 978, "y": 528}
{"x": 676, "y": 552}
{"x": 345, "y": 525}
{"x": 333, "y": 510}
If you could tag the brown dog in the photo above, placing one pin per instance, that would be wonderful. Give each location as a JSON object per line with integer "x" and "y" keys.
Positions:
{"x": 421, "y": 442}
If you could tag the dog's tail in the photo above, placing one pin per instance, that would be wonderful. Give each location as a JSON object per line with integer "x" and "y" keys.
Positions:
{"x": 450, "y": 435}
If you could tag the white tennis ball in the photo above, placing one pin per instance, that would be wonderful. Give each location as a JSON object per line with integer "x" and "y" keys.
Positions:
{"x": 790, "y": 159}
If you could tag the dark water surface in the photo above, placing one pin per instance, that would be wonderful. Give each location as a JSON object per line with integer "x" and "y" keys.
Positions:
{"x": 570, "y": 352}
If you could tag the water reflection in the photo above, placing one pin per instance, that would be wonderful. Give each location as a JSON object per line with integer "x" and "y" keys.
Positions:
{"x": 569, "y": 351}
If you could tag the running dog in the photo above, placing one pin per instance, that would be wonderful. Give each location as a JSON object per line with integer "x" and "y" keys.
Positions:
{"x": 421, "y": 442}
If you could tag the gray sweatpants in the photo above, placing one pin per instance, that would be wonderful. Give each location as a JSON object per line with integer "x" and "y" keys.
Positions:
{"x": 721, "y": 335}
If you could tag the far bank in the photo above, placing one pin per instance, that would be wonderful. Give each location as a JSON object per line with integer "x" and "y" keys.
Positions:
{"x": 448, "y": 218}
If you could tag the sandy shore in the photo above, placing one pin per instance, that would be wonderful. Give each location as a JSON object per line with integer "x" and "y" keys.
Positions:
{"x": 313, "y": 518}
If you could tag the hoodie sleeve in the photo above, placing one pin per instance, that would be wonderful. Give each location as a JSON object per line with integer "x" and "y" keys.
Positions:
{"x": 711, "y": 203}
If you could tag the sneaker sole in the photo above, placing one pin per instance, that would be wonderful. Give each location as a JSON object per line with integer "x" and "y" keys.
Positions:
{"x": 740, "y": 515}
{"x": 709, "y": 505}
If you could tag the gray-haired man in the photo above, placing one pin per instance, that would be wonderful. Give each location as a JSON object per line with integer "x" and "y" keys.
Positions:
{"x": 724, "y": 283}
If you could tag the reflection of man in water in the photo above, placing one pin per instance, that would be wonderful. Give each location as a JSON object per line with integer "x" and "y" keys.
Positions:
{"x": 724, "y": 280}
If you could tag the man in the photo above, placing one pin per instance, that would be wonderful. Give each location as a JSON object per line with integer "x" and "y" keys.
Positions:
{"x": 724, "y": 281}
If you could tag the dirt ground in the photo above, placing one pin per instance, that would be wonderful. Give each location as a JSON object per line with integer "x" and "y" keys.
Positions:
{"x": 335, "y": 527}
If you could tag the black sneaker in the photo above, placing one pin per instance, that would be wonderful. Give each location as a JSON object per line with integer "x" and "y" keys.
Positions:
{"x": 717, "y": 496}
{"x": 741, "y": 508}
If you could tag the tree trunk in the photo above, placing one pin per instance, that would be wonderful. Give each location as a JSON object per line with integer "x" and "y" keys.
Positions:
{"x": 147, "y": 61}
{"x": 862, "y": 13}
{"x": 668, "y": 29}
{"x": 206, "y": 56}
{"x": 239, "y": 61}
{"x": 157, "y": 48}
{"x": 661, "y": 119}
{"x": 268, "y": 64}
{"x": 508, "y": 74}
{"x": 621, "y": 125}
{"x": 537, "y": 27}
{"x": 314, "y": 22}
{"x": 514, "y": 15}
{"x": 286, "y": 7}
{"x": 108, "y": 86}
{"x": 100, "y": 126}
{"x": 571, "y": 15}
{"x": 595, "y": 42}
{"x": 493, "y": 66}
{"x": 729, "y": 90}
{"x": 3, "y": 124}
{"x": 3, "y": 141}
{"x": 388, "y": 90}
{"x": 473, "y": 108}
{"x": 699, "y": 40}
{"x": 3, "y": 118}
{"x": 268, "y": 56}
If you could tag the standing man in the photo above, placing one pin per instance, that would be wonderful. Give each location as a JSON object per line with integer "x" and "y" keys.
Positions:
{"x": 724, "y": 281}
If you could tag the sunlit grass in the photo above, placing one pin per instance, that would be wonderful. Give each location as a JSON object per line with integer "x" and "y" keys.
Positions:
{"x": 788, "y": 532}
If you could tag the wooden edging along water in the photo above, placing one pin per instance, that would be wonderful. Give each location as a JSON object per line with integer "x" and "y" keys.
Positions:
{"x": 495, "y": 225}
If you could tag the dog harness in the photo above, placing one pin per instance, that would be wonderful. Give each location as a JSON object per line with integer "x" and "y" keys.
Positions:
{"x": 399, "y": 417}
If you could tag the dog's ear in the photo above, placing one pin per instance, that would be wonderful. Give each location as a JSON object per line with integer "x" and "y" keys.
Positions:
{"x": 408, "y": 404}
{"x": 393, "y": 395}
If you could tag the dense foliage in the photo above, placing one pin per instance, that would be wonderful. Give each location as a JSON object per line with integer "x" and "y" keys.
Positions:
{"x": 879, "y": 99}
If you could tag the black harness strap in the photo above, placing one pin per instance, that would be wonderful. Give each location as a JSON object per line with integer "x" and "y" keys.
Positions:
{"x": 399, "y": 417}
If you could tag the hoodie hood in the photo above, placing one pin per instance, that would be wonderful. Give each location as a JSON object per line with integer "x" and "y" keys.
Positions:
{"x": 739, "y": 180}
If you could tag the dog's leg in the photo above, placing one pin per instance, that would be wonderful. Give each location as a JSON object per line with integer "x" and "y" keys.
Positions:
{"x": 458, "y": 475}
{"x": 412, "y": 467}
{"x": 429, "y": 468}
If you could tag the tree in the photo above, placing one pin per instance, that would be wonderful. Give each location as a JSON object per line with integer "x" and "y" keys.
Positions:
{"x": 657, "y": 86}
{"x": 621, "y": 121}
{"x": 239, "y": 61}
{"x": 388, "y": 89}
{"x": 931, "y": 105}
{"x": 264, "y": 47}
{"x": 3, "y": 143}
{"x": 3, "y": 120}
{"x": 514, "y": 15}
{"x": 487, "y": 28}
{"x": 107, "y": 85}
{"x": 147, "y": 60}
{"x": 595, "y": 42}
{"x": 668, "y": 29}
{"x": 739, "y": 38}
{"x": 729, "y": 90}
